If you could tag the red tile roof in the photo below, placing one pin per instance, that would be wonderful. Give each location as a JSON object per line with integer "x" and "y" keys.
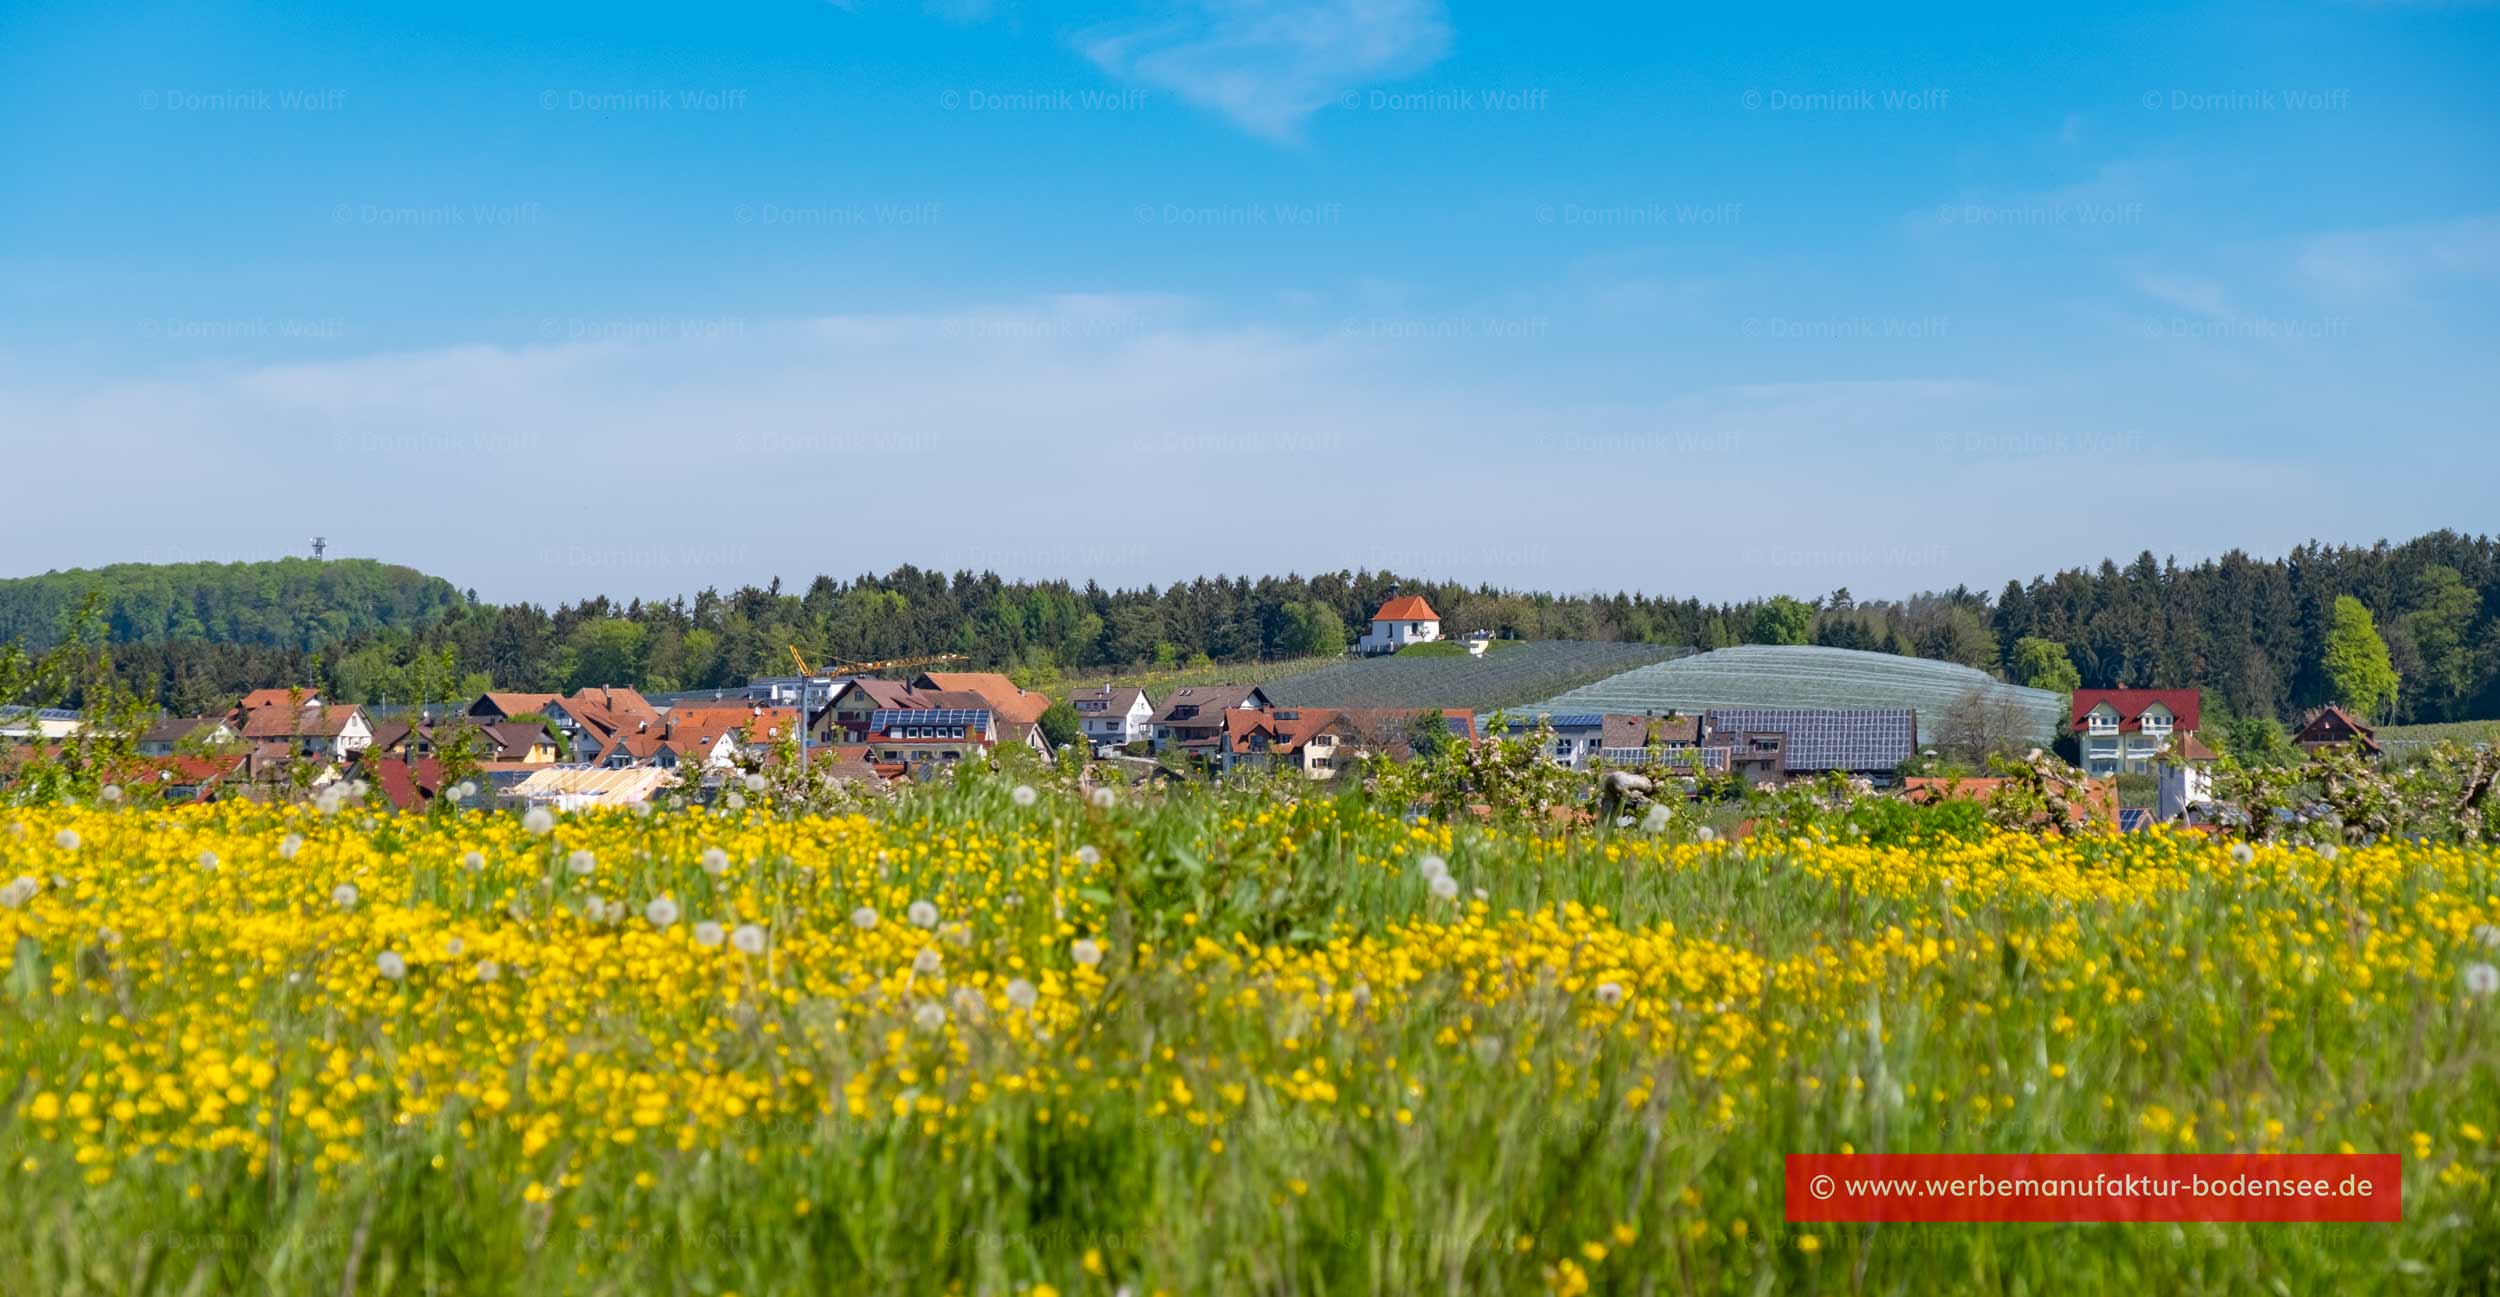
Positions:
{"x": 1406, "y": 607}
{"x": 2130, "y": 705}
{"x": 289, "y": 723}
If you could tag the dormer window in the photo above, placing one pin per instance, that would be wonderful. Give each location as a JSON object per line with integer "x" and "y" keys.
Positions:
{"x": 2156, "y": 719}
{"x": 2103, "y": 720}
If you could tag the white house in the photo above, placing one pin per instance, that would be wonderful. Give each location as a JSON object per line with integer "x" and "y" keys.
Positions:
{"x": 2186, "y": 773}
{"x": 1114, "y": 717}
{"x": 2121, "y": 730}
{"x": 1404, "y": 620}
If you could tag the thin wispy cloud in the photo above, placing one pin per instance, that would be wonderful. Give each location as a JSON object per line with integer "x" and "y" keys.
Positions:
{"x": 1269, "y": 64}
{"x": 2395, "y": 260}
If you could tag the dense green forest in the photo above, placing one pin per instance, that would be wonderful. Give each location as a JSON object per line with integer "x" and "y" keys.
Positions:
{"x": 2253, "y": 632}
{"x": 290, "y": 603}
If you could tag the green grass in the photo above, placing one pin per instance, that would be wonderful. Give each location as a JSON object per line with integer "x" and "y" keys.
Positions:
{"x": 2084, "y": 997}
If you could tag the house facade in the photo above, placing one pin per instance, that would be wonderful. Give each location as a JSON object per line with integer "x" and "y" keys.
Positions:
{"x": 2333, "y": 727}
{"x": 1113, "y": 717}
{"x": 1194, "y": 715}
{"x": 1404, "y": 620}
{"x": 2122, "y": 731}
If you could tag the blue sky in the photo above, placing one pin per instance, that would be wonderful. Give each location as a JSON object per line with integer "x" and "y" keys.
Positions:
{"x": 637, "y": 299}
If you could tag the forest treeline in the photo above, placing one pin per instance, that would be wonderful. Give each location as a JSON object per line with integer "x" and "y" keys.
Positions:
{"x": 2252, "y": 632}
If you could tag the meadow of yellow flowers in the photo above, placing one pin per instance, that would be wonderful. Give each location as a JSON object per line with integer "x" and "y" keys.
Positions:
{"x": 984, "y": 1040}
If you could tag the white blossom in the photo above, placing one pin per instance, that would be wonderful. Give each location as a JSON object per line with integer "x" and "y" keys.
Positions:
{"x": 581, "y": 861}
{"x": 754, "y": 782}
{"x": 2481, "y": 979}
{"x": 714, "y": 861}
{"x": 736, "y": 801}
{"x": 661, "y": 912}
{"x": 708, "y": 934}
{"x": 2243, "y": 853}
{"x": 1444, "y": 886}
{"x": 1705, "y": 834}
{"x": 863, "y": 918}
{"x": 1088, "y": 856}
{"x": 1657, "y": 817}
{"x": 1609, "y": 994}
{"x": 112, "y": 793}
{"x": 929, "y": 1016}
{"x": 922, "y": 914}
{"x": 344, "y": 896}
{"x": 539, "y": 822}
{"x": 927, "y": 962}
{"x": 1021, "y": 994}
{"x": 748, "y": 939}
{"x": 1433, "y": 867}
{"x": 1024, "y": 795}
{"x": 1085, "y": 952}
{"x": 391, "y": 965}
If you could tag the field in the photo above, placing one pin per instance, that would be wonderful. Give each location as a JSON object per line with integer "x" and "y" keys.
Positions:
{"x": 1158, "y": 681}
{"x": 1762, "y": 675}
{"x": 2399, "y": 739}
{"x": 1507, "y": 676}
{"x": 998, "y": 1042}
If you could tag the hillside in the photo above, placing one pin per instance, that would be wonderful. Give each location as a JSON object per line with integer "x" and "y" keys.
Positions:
{"x": 288, "y": 603}
{"x": 1763, "y": 675}
{"x": 1512, "y": 674}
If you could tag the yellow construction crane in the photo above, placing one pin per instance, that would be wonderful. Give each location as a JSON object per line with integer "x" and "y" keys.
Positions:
{"x": 862, "y": 668}
{"x": 897, "y": 664}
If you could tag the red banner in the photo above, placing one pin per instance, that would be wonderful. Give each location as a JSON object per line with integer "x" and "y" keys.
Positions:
{"x": 2116, "y": 1187}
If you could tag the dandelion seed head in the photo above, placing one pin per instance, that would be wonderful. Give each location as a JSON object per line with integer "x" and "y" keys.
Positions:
{"x": 539, "y": 821}
{"x": 661, "y": 912}
{"x": 747, "y": 940}
{"x": 344, "y": 896}
{"x": 864, "y": 918}
{"x": 581, "y": 861}
{"x": 391, "y": 965}
{"x": 714, "y": 861}
{"x": 923, "y": 914}
{"x": 1021, "y": 994}
{"x": 708, "y": 934}
{"x": 1024, "y": 795}
{"x": 1086, "y": 953}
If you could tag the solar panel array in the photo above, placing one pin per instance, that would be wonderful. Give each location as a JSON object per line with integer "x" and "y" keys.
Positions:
{"x": 1809, "y": 677}
{"x": 1521, "y": 724}
{"x": 974, "y": 717}
{"x": 1828, "y": 740}
{"x": 1711, "y": 758}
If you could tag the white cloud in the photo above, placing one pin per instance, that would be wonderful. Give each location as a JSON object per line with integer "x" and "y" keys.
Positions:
{"x": 2394, "y": 260}
{"x": 1269, "y": 64}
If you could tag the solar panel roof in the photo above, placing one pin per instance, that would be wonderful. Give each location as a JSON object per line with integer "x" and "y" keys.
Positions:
{"x": 1828, "y": 740}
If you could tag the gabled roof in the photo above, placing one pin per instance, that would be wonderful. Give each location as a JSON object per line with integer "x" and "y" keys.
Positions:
{"x": 2333, "y": 724}
{"x": 1208, "y": 698}
{"x": 1115, "y": 699}
{"x": 510, "y": 704}
{"x": 1011, "y": 703}
{"x": 289, "y": 723}
{"x": 880, "y": 694}
{"x": 1406, "y": 607}
{"x": 2130, "y": 705}
{"x": 259, "y": 698}
{"x": 407, "y": 784}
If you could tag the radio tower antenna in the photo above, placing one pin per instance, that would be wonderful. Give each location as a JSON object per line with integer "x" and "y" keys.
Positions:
{"x": 320, "y": 543}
